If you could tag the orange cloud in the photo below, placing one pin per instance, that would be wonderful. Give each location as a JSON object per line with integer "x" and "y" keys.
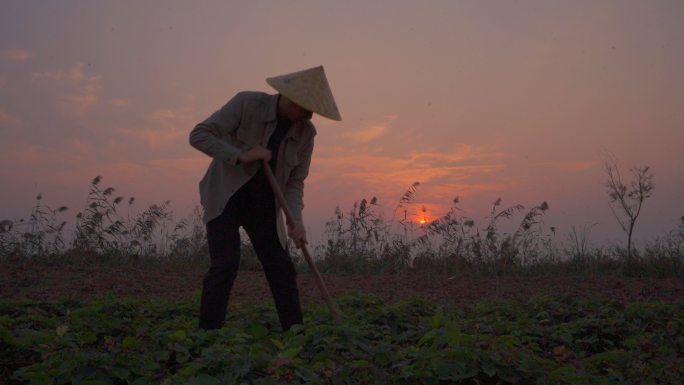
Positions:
{"x": 7, "y": 118}
{"x": 82, "y": 147}
{"x": 21, "y": 154}
{"x": 86, "y": 89}
{"x": 416, "y": 167}
{"x": 157, "y": 138}
{"x": 460, "y": 153}
{"x": 447, "y": 174}
{"x": 371, "y": 131}
{"x": 195, "y": 166}
{"x": 161, "y": 115}
{"x": 74, "y": 75}
{"x": 74, "y": 105}
{"x": 116, "y": 146}
{"x": 570, "y": 166}
{"x": 119, "y": 102}
{"x": 17, "y": 54}
{"x": 181, "y": 116}
{"x": 453, "y": 190}
{"x": 166, "y": 133}
{"x": 156, "y": 180}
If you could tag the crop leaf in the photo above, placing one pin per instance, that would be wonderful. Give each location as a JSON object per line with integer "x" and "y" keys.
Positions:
{"x": 489, "y": 369}
{"x": 61, "y": 330}
{"x": 453, "y": 334}
{"x": 436, "y": 320}
{"x": 258, "y": 331}
{"x": 429, "y": 336}
{"x": 291, "y": 353}
{"x": 130, "y": 342}
{"x": 121, "y": 373}
{"x": 178, "y": 335}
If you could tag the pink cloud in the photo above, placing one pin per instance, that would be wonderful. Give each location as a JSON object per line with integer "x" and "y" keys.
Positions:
{"x": 370, "y": 131}
{"x": 82, "y": 147}
{"x": 83, "y": 94}
{"x": 74, "y": 75}
{"x": 571, "y": 166}
{"x": 163, "y": 130}
{"x": 161, "y": 115}
{"x": 156, "y": 180}
{"x": 453, "y": 190}
{"x": 119, "y": 102}
{"x": 422, "y": 167}
{"x": 181, "y": 116}
{"x": 74, "y": 105}
{"x": 157, "y": 138}
{"x": 117, "y": 146}
{"x": 189, "y": 166}
{"x": 7, "y": 118}
{"x": 442, "y": 176}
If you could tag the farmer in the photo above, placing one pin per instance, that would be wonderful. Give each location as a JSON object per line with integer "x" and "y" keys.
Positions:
{"x": 252, "y": 129}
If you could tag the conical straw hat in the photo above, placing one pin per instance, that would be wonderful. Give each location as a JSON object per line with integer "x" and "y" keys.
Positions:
{"x": 308, "y": 89}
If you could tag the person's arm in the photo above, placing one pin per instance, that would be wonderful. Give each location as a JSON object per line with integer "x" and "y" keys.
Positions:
{"x": 294, "y": 195}
{"x": 207, "y": 136}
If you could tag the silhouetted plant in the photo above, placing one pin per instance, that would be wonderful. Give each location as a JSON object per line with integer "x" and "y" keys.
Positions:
{"x": 580, "y": 242}
{"x": 100, "y": 229}
{"x": 357, "y": 241}
{"x": 43, "y": 234}
{"x": 189, "y": 236}
{"x": 628, "y": 199}
{"x": 459, "y": 238}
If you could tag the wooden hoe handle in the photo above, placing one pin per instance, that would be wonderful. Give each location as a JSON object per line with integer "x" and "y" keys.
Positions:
{"x": 288, "y": 214}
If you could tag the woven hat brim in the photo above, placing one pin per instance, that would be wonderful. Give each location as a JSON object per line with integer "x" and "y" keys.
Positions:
{"x": 308, "y": 89}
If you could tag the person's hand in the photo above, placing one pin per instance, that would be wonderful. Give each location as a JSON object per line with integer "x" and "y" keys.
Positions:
{"x": 297, "y": 233}
{"x": 257, "y": 153}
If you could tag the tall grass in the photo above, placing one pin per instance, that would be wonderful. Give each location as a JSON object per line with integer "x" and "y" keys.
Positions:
{"x": 358, "y": 241}
{"x": 361, "y": 241}
{"x": 104, "y": 233}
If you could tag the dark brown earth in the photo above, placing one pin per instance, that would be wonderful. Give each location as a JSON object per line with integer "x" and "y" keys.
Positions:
{"x": 144, "y": 282}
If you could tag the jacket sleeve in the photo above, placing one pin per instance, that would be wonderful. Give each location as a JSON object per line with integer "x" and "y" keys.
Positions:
{"x": 294, "y": 187}
{"x": 208, "y": 136}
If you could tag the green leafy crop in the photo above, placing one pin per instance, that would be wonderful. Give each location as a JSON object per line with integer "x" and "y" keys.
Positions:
{"x": 547, "y": 340}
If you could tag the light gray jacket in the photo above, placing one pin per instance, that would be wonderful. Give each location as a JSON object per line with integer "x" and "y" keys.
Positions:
{"x": 248, "y": 120}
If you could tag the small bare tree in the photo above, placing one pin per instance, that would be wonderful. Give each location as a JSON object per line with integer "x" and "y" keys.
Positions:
{"x": 627, "y": 199}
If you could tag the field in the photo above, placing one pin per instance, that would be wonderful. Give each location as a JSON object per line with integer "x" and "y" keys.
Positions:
{"x": 450, "y": 301}
{"x": 138, "y": 324}
{"x": 36, "y": 283}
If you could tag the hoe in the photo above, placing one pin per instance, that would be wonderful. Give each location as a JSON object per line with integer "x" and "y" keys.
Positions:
{"x": 307, "y": 256}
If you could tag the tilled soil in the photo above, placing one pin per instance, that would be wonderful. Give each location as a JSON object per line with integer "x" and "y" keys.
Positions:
{"x": 146, "y": 282}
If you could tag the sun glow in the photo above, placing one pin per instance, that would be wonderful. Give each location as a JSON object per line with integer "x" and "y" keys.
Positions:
{"x": 423, "y": 209}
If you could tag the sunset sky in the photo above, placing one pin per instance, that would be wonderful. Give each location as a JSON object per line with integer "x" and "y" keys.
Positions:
{"x": 475, "y": 99}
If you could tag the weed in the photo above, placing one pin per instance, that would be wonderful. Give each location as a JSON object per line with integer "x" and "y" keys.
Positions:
{"x": 359, "y": 241}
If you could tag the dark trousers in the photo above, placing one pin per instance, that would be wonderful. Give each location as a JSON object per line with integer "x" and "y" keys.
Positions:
{"x": 253, "y": 208}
